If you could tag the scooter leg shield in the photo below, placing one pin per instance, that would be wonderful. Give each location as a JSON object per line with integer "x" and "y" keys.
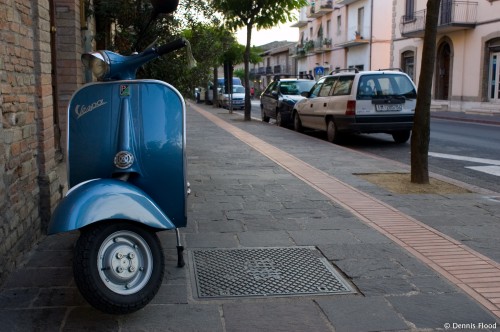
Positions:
{"x": 105, "y": 199}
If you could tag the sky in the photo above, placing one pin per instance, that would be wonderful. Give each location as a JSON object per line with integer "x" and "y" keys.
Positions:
{"x": 261, "y": 37}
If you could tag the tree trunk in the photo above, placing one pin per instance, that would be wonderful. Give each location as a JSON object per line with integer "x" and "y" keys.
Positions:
{"x": 215, "y": 86}
{"x": 421, "y": 127}
{"x": 246, "y": 60}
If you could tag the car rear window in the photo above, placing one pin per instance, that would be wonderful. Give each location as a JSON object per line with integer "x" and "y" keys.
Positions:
{"x": 296, "y": 87}
{"x": 383, "y": 85}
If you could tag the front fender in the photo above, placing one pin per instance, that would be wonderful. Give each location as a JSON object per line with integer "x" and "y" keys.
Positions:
{"x": 102, "y": 199}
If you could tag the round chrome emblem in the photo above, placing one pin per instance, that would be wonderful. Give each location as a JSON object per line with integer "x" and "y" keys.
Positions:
{"x": 124, "y": 159}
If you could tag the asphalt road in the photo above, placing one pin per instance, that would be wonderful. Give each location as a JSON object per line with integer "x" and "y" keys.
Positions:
{"x": 468, "y": 152}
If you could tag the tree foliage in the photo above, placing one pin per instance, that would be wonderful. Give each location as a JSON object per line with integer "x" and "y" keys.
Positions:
{"x": 123, "y": 26}
{"x": 421, "y": 127}
{"x": 261, "y": 14}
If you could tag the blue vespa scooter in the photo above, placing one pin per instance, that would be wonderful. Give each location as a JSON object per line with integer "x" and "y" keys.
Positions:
{"x": 126, "y": 166}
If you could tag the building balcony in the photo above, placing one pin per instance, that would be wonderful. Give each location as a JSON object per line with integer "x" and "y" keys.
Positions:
{"x": 453, "y": 16}
{"x": 303, "y": 20}
{"x": 297, "y": 51}
{"x": 309, "y": 47}
{"x": 357, "y": 38}
{"x": 322, "y": 45}
{"x": 324, "y": 7}
{"x": 319, "y": 8}
{"x": 281, "y": 69}
{"x": 344, "y": 2}
{"x": 311, "y": 11}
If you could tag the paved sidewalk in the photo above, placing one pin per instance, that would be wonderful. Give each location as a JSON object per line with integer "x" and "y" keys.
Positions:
{"x": 252, "y": 194}
{"x": 493, "y": 118}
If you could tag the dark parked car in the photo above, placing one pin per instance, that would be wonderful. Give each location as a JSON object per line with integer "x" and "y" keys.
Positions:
{"x": 280, "y": 96}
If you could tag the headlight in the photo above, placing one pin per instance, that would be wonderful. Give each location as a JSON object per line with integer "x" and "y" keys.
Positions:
{"x": 97, "y": 63}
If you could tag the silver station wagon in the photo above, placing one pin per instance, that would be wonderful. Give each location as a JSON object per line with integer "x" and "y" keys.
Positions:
{"x": 359, "y": 102}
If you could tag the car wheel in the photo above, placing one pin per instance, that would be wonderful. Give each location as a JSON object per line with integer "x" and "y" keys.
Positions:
{"x": 263, "y": 115}
{"x": 118, "y": 266}
{"x": 401, "y": 137}
{"x": 297, "y": 124}
{"x": 332, "y": 134}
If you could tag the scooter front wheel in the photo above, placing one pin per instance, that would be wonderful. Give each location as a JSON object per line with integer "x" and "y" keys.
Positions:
{"x": 118, "y": 266}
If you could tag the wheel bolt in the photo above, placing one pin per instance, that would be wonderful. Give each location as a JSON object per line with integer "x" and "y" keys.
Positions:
{"x": 119, "y": 255}
{"x": 131, "y": 255}
{"x": 131, "y": 269}
{"x": 119, "y": 269}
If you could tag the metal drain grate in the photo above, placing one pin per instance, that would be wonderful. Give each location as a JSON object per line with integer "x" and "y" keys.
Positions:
{"x": 276, "y": 271}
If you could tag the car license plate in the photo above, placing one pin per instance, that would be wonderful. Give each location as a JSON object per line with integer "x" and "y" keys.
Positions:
{"x": 389, "y": 108}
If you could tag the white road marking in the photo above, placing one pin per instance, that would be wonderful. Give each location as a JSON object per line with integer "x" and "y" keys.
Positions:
{"x": 493, "y": 167}
{"x": 494, "y": 170}
{"x": 464, "y": 158}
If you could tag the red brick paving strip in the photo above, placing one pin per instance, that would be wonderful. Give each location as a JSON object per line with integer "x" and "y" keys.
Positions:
{"x": 475, "y": 274}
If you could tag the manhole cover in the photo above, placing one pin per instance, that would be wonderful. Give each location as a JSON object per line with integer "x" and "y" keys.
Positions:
{"x": 265, "y": 272}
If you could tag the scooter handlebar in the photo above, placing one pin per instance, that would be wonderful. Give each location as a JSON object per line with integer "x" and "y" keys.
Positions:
{"x": 172, "y": 46}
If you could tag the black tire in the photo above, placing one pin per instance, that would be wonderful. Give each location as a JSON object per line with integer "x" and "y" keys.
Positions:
{"x": 332, "y": 134}
{"x": 263, "y": 115}
{"x": 297, "y": 124}
{"x": 401, "y": 137}
{"x": 118, "y": 266}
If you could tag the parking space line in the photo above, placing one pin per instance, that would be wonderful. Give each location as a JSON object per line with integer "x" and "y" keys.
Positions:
{"x": 445, "y": 255}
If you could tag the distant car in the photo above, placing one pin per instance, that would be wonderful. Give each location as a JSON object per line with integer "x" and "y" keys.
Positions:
{"x": 280, "y": 96}
{"x": 237, "y": 98}
{"x": 359, "y": 102}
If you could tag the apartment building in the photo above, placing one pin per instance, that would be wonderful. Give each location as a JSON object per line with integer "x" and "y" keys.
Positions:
{"x": 374, "y": 34}
{"x": 276, "y": 61}
{"x": 344, "y": 34}
{"x": 467, "y": 67}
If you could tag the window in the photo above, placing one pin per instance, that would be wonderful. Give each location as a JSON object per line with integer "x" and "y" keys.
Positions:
{"x": 343, "y": 86}
{"x": 315, "y": 89}
{"x": 327, "y": 87}
{"x": 361, "y": 20}
{"x": 409, "y": 10}
{"x": 408, "y": 63}
{"x": 385, "y": 85}
{"x": 339, "y": 25}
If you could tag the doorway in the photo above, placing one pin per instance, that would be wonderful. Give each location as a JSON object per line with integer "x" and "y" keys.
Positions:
{"x": 443, "y": 71}
{"x": 494, "y": 86}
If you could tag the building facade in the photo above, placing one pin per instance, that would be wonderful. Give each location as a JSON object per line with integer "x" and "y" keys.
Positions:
{"x": 276, "y": 61}
{"x": 39, "y": 69}
{"x": 466, "y": 73}
{"x": 344, "y": 34}
{"x": 376, "y": 34}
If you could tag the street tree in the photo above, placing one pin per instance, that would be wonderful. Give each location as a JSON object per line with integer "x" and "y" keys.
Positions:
{"x": 261, "y": 14}
{"x": 421, "y": 127}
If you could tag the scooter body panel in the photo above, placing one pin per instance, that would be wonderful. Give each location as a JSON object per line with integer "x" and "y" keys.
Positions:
{"x": 134, "y": 127}
{"x": 106, "y": 199}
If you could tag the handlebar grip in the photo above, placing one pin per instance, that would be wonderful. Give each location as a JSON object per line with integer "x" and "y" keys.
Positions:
{"x": 172, "y": 46}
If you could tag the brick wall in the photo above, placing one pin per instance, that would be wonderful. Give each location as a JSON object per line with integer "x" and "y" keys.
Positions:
{"x": 30, "y": 184}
